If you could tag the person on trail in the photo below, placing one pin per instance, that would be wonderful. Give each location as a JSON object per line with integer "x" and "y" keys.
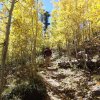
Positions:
{"x": 47, "y": 55}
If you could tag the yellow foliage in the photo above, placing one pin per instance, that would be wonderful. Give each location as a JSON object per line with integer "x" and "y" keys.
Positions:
{"x": 75, "y": 19}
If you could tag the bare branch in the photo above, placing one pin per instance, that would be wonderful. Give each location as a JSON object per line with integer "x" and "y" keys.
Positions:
{"x": 15, "y": 1}
{"x": 1, "y": 43}
{"x": 3, "y": 17}
{"x": 6, "y": 7}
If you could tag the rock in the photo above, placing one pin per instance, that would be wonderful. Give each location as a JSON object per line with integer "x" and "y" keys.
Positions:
{"x": 52, "y": 68}
{"x": 91, "y": 83}
{"x": 61, "y": 76}
{"x": 70, "y": 93}
{"x": 64, "y": 65}
{"x": 96, "y": 91}
{"x": 53, "y": 82}
{"x": 53, "y": 97}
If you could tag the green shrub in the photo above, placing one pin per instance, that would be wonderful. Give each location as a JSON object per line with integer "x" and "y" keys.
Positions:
{"x": 34, "y": 90}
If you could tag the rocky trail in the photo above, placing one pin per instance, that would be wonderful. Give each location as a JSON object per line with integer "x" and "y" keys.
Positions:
{"x": 70, "y": 83}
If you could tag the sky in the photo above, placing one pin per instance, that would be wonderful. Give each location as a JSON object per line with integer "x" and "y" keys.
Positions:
{"x": 48, "y": 5}
{"x": 0, "y": 6}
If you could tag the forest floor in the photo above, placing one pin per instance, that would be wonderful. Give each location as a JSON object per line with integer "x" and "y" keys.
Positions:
{"x": 70, "y": 83}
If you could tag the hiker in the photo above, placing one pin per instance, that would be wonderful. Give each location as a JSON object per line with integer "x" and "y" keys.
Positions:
{"x": 47, "y": 55}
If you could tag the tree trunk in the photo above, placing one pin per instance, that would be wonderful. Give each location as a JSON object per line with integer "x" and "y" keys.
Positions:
{"x": 5, "y": 47}
{"x": 35, "y": 40}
